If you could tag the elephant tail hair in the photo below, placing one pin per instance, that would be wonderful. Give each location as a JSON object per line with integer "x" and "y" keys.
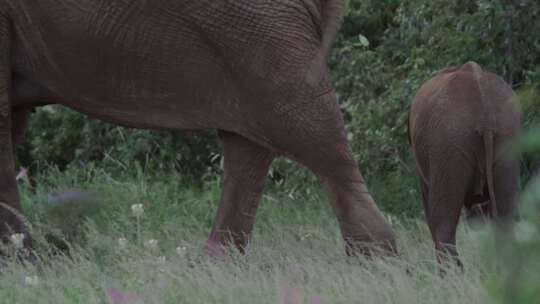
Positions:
{"x": 488, "y": 147}
{"x": 332, "y": 13}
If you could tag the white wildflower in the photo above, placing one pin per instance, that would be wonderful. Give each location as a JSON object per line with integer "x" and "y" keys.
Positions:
{"x": 162, "y": 259}
{"x": 122, "y": 242}
{"x": 17, "y": 240}
{"x": 31, "y": 280}
{"x": 181, "y": 250}
{"x": 137, "y": 209}
{"x": 152, "y": 244}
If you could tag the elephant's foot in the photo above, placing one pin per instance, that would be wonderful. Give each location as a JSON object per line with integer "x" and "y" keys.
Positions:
{"x": 363, "y": 226}
{"x": 382, "y": 246}
{"x": 448, "y": 257}
{"x": 376, "y": 240}
{"x": 17, "y": 246}
{"x": 215, "y": 249}
{"x": 221, "y": 245}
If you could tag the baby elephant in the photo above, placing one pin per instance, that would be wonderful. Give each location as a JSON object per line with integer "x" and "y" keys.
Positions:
{"x": 458, "y": 123}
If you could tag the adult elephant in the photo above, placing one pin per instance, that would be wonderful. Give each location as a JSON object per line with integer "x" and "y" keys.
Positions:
{"x": 253, "y": 69}
{"x": 459, "y": 124}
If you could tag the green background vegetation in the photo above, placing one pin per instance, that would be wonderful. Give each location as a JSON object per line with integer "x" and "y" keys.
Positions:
{"x": 386, "y": 49}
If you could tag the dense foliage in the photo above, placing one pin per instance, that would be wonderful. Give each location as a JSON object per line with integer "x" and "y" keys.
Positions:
{"x": 385, "y": 50}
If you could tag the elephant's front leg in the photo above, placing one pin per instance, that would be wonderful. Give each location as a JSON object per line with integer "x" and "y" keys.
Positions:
{"x": 11, "y": 220}
{"x": 245, "y": 168}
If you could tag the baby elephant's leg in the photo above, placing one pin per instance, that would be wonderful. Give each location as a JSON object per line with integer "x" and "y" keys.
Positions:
{"x": 448, "y": 185}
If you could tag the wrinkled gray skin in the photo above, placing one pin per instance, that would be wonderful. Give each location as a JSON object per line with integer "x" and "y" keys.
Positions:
{"x": 458, "y": 123}
{"x": 255, "y": 70}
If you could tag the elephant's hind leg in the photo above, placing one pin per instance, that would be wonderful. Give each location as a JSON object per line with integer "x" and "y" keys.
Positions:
{"x": 506, "y": 181}
{"x": 11, "y": 220}
{"x": 317, "y": 139}
{"x": 245, "y": 168}
{"x": 448, "y": 187}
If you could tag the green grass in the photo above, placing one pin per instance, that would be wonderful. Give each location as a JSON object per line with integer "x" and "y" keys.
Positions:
{"x": 297, "y": 249}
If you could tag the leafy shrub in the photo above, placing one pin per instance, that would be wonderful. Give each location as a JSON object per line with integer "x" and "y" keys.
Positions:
{"x": 60, "y": 136}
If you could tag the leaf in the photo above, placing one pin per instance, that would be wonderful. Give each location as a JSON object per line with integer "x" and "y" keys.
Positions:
{"x": 363, "y": 40}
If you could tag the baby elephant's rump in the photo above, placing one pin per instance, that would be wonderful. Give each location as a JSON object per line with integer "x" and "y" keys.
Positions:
{"x": 459, "y": 122}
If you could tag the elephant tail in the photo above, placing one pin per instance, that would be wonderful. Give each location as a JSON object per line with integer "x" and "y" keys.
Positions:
{"x": 487, "y": 123}
{"x": 332, "y": 13}
{"x": 488, "y": 147}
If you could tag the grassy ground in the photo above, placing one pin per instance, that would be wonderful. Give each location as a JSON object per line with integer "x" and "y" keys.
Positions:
{"x": 297, "y": 254}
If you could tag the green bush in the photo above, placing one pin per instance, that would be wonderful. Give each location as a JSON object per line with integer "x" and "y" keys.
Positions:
{"x": 63, "y": 137}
